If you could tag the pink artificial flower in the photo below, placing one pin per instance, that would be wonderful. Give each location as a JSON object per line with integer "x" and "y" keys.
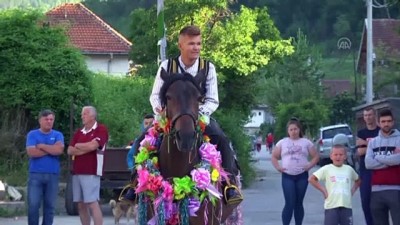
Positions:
{"x": 209, "y": 153}
{"x": 168, "y": 193}
{"x": 148, "y": 140}
{"x": 201, "y": 177}
{"x": 143, "y": 177}
{"x": 152, "y": 132}
{"x": 154, "y": 183}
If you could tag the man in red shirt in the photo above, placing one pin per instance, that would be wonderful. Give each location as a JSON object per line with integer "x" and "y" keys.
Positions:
{"x": 87, "y": 150}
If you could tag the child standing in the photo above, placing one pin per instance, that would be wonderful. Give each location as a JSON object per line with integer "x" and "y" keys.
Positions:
{"x": 341, "y": 181}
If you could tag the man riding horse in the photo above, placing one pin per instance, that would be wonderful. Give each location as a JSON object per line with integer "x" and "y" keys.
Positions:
{"x": 189, "y": 61}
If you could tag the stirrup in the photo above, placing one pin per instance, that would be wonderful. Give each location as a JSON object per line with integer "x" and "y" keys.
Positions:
{"x": 235, "y": 200}
{"x": 125, "y": 190}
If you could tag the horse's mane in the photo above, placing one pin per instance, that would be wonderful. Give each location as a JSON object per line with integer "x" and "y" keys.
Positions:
{"x": 171, "y": 78}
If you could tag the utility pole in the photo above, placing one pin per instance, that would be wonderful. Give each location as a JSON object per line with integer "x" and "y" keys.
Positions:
{"x": 162, "y": 40}
{"x": 369, "y": 88}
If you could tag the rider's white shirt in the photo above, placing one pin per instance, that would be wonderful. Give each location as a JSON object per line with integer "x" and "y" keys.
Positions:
{"x": 211, "y": 97}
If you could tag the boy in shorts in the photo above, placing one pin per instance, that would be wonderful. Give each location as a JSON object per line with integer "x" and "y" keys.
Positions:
{"x": 341, "y": 181}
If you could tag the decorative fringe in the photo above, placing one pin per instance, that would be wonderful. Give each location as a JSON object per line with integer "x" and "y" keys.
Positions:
{"x": 142, "y": 210}
{"x": 161, "y": 213}
{"x": 184, "y": 211}
{"x": 205, "y": 202}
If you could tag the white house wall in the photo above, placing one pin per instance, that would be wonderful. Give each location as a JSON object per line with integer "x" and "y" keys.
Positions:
{"x": 114, "y": 65}
{"x": 259, "y": 116}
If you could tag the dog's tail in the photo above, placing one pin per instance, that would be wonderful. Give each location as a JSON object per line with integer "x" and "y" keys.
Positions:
{"x": 113, "y": 203}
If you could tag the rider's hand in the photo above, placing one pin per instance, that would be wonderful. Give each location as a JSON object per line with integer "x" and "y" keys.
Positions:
{"x": 159, "y": 109}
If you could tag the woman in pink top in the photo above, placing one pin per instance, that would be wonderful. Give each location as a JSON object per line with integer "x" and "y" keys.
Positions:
{"x": 294, "y": 152}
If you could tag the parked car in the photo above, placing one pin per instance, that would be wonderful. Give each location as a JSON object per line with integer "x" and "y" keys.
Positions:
{"x": 324, "y": 143}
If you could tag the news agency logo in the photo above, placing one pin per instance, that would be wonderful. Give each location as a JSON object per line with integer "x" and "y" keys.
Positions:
{"x": 344, "y": 43}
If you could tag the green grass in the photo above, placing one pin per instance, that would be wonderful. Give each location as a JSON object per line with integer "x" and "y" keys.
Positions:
{"x": 338, "y": 67}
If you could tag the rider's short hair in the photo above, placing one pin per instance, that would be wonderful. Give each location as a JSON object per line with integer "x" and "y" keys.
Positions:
{"x": 190, "y": 30}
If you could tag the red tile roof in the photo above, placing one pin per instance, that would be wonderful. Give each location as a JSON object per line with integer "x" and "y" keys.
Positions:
{"x": 385, "y": 31}
{"x": 87, "y": 31}
{"x": 335, "y": 87}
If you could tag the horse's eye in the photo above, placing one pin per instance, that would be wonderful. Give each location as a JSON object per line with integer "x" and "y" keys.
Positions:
{"x": 168, "y": 97}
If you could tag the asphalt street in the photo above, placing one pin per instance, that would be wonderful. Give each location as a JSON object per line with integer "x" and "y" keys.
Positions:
{"x": 262, "y": 205}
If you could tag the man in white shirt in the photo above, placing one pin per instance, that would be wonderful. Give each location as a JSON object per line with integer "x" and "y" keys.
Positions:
{"x": 189, "y": 61}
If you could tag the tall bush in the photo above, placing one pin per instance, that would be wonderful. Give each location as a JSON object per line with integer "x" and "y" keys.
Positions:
{"x": 38, "y": 69}
{"x": 232, "y": 123}
{"x": 121, "y": 103}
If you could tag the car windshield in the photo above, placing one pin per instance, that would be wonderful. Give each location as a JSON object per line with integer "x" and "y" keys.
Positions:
{"x": 332, "y": 132}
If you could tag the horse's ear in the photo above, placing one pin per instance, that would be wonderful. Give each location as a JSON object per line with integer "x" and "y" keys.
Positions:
{"x": 200, "y": 77}
{"x": 164, "y": 74}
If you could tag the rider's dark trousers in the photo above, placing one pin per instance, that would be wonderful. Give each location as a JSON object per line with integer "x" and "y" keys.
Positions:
{"x": 217, "y": 136}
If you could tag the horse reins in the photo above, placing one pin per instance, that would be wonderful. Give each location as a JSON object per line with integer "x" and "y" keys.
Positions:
{"x": 173, "y": 131}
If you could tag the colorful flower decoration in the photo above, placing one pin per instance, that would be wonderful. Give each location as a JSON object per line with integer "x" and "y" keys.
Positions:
{"x": 203, "y": 181}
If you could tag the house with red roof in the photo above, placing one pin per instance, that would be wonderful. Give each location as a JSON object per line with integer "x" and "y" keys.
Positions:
{"x": 105, "y": 49}
{"x": 337, "y": 87}
{"x": 386, "y": 55}
{"x": 386, "y": 32}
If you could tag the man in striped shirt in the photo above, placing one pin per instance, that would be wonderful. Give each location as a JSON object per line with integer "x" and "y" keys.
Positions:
{"x": 189, "y": 44}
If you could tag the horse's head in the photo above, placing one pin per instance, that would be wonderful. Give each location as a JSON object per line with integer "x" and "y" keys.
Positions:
{"x": 181, "y": 94}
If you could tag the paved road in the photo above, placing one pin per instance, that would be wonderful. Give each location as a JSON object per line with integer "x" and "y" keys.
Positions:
{"x": 262, "y": 205}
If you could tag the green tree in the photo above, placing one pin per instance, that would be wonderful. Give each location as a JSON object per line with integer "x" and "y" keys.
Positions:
{"x": 312, "y": 115}
{"x": 121, "y": 103}
{"x": 38, "y": 69}
{"x": 117, "y": 12}
{"x": 341, "y": 109}
{"x": 295, "y": 77}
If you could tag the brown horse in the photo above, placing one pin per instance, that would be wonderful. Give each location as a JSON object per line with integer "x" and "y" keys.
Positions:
{"x": 181, "y": 95}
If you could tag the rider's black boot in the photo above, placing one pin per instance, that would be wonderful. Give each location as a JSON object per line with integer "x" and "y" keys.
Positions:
{"x": 231, "y": 192}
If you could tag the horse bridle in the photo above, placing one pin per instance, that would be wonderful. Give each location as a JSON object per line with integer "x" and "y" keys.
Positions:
{"x": 173, "y": 131}
{"x": 176, "y": 117}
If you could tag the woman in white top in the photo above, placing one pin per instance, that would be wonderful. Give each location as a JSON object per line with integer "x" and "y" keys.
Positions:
{"x": 294, "y": 152}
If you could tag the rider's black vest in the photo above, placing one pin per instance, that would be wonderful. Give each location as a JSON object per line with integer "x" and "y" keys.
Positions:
{"x": 173, "y": 65}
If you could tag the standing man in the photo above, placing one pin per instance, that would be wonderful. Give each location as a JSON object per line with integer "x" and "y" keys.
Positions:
{"x": 147, "y": 122}
{"x": 383, "y": 158}
{"x": 130, "y": 195}
{"x": 363, "y": 137}
{"x": 189, "y": 61}
{"x": 87, "y": 150}
{"x": 43, "y": 145}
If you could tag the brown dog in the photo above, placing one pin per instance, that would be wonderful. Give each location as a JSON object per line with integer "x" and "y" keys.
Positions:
{"x": 120, "y": 209}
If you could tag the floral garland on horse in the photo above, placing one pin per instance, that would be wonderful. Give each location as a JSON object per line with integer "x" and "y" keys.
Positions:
{"x": 174, "y": 202}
